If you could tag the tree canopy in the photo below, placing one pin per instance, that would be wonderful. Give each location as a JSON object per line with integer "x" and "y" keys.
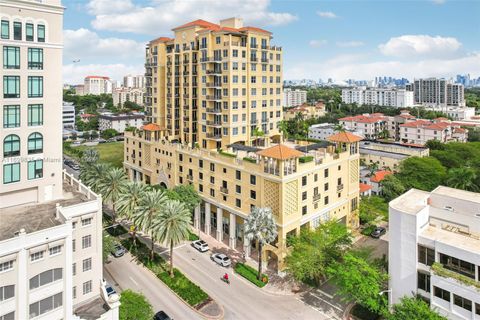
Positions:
{"x": 134, "y": 306}
{"x": 186, "y": 194}
{"x": 413, "y": 308}
{"x": 421, "y": 173}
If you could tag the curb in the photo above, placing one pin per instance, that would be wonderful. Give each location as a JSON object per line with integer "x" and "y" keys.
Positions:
{"x": 222, "y": 314}
{"x": 346, "y": 312}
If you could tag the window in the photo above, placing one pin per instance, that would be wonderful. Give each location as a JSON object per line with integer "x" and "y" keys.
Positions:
{"x": 304, "y": 210}
{"x": 477, "y": 308}
{"x": 200, "y": 187}
{"x": 212, "y": 167}
{"x": 87, "y": 287}
{"x": 238, "y": 175}
{"x": 17, "y": 31}
{"x": 87, "y": 264}
{"x": 35, "y": 169}
{"x": 4, "y": 266}
{"x": 86, "y": 241}
{"x": 86, "y": 222}
{"x": 462, "y": 302}
{"x": 11, "y": 57}
{"x": 7, "y": 292}
{"x": 35, "y": 58}
{"x": 8, "y": 316}
{"x": 11, "y": 116}
{"x": 36, "y": 256}
{"x": 304, "y": 181}
{"x": 29, "y": 32}
{"x": 442, "y": 294}
{"x": 423, "y": 281}
{"x": 11, "y": 173}
{"x": 253, "y": 194}
{"x": 325, "y": 200}
{"x": 11, "y": 146}
{"x": 55, "y": 250}
{"x": 74, "y": 292}
{"x": 253, "y": 179}
{"x": 74, "y": 243}
{"x": 46, "y": 277}
{"x": 5, "y": 29}
{"x": 426, "y": 255}
{"x": 212, "y": 192}
{"x": 46, "y": 305}
{"x": 304, "y": 195}
{"x": 11, "y": 86}
{"x": 325, "y": 173}
{"x": 35, "y": 87}
{"x": 35, "y": 143}
{"x": 325, "y": 187}
{"x": 315, "y": 177}
{"x": 41, "y": 33}
{"x": 238, "y": 189}
{"x": 238, "y": 203}
{"x": 35, "y": 115}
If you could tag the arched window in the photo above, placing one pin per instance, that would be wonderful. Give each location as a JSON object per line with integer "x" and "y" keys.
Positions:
{"x": 46, "y": 277}
{"x": 35, "y": 143}
{"x": 11, "y": 146}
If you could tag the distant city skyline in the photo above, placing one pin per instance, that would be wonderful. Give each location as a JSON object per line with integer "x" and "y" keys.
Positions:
{"x": 321, "y": 39}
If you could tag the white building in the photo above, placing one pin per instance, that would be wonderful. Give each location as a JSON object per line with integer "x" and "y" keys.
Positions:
{"x": 68, "y": 115}
{"x": 130, "y": 81}
{"x": 97, "y": 85}
{"x": 120, "y": 122}
{"x": 456, "y": 113}
{"x": 50, "y": 224}
{"x": 293, "y": 98}
{"x": 398, "y": 98}
{"x": 434, "y": 92}
{"x": 420, "y": 131}
{"x": 322, "y": 131}
{"x": 434, "y": 250}
{"x": 121, "y": 95}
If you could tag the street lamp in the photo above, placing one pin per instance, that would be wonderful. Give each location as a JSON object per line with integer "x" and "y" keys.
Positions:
{"x": 390, "y": 302}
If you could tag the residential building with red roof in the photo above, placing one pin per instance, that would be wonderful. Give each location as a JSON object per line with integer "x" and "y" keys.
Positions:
{"x": 370, "y": 126}
{"x": 420, "y": 131}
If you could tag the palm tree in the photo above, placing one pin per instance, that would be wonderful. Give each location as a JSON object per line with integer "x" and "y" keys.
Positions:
{"x": 89, "y": 156}
{"x": 92, "y": 174}
{"x": 148, "y": 209}
{"x": 339, "y": 127}
{"x": 283, "y": 127}
{"x": 112, "y": 186}
{"x": 130, "y": 200}
{"x": 172, "y": 226}
{"x": 260, "y": 226}
{"x": 462, "y": 178}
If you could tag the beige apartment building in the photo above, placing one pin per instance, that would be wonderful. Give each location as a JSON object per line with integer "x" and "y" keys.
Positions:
{"x": 389, "y": 154}
{"x": 50, "y": 224}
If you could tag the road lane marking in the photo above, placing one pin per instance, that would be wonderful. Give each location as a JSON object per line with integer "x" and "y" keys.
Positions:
{"x": 321, "y": 299}
{"x": 133, "y": 281}
{"x": 167, "y": 250}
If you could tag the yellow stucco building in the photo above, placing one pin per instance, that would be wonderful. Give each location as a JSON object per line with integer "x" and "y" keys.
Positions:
{"x": 214, "y": 102}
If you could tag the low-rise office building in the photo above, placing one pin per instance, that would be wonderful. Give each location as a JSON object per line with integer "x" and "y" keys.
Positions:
{"x": 434, "y": 250}
{"x": 120, "y": 122}
{"x": 389, "y": 155}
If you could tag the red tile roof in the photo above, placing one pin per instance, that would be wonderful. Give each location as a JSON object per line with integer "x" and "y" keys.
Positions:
{"x": 254, "y": 29}
{"x": 196, "y": 23}
{"x": 371, "y": 118}
{"x": 345, "y": 137}
{"x": 281, "y": 152}
{"x": 416, "y": 124}
{"x": 87, "y": 115}
{"x": 162, "y": 39}
{"x": 405, "y": 116}
{"x": 459, "y": 130}
{"x": 151, "y": 127}
{"x": 380, "y": 175}
{"x": 437, "y": 126}
{"x": 89, "y": 77}
{"x": 364, "y": 187}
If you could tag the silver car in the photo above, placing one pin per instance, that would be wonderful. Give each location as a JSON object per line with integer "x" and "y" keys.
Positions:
{"x": 200, "y": 245}
{"x": 221, "y": 259}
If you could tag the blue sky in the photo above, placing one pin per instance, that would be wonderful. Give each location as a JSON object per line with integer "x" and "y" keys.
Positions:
{"x": 321, "y": 39}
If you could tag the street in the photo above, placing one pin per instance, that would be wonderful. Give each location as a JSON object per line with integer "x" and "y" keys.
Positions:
{"x": 124, "y": 273}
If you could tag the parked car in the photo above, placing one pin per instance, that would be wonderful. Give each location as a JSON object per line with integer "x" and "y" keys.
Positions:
{"x": 221, "y": 259}
{"x": 102, "y": 140}
{"x": 109, "y": 289}
{"x": 378, "y": 232}
{"x": 120, "y": 138}
{"x": 75, "y": 166}
{"x": 161, "y": 315}
{"x": 118, "y": 251}
{"x": 200, "y": 245}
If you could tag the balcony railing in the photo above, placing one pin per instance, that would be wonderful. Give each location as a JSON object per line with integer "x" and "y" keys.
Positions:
{"x": 189, "y": 177}
{"x": 214, "y": 71}
{"x": 340, "y": 187}
{"x": 316, "y": 197}
{"x": 215, "y": 97}
{"x": 224, "y": 190}
{"x": 214, "y": 123}
{"x": 214, "y": 136}
{"x": 213, "y": 84}
{"x": 214, "y": 110}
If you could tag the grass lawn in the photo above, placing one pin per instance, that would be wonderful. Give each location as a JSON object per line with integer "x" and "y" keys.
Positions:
{"x": 250, "y": 274}
{"x": 111, "y": 152}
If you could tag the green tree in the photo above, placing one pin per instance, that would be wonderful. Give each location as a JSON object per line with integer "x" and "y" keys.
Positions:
{"x": 313, "y": 251}
{"x": 283, "y": 127}
{"x": 134, "y": 306}
{"x": 435, "y": 145}
{"x": 172, "y": 226}
{"x": 359, "y": 281}
{"x": 93, "y": 134}
{"x": 185, "y": 194}
{"x": 130, "y": 200}
{"x": 112, "y": 186}
{"x": 413, "y": 308}
{"x": 260, "y": 227}
{"x": 462, "y": 178}
{"x": 371, "y": 208}
{"x": 150, "y": 206}
{"x": 108, "y": 245}
{"x": 90, "y": 156}
{"x": 421, "y": 173}
{"x": 392, "y": 187}
{"x": 92, "y": 174}
{"x": 109, "y": 133}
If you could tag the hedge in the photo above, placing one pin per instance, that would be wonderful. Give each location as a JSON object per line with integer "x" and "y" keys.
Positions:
{"x": 192, "y": 236}
{"x": 180, "y": 284}
{"x": 369, "y": 229}
{"x": 250, "y": 274}
{"x": 249, "y": 160}
{"x": 227, "y": 154}
{"x": 305, "y": 159}
{"x": 440, "y": 270}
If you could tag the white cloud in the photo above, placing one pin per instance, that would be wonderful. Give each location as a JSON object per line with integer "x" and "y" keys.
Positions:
{"x": 327, "y": 14}
{"x": 161, "y": 15}
{"x": 86, "y": 45}
{"x": 350, "y": 44}
{"x": 408, "y": 46}
{"x": 354, "y": 66}
{"x": 317, "y": 43}
{"x": 74, "y": 73}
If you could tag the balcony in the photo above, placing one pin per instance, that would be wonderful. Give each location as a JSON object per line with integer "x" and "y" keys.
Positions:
{"x": 253, "y": 59}
{"x": 214, "y": 136}
{"x": 224, "y": 190}
{"x": 214, "y": 110}
{"x": 217, "y": 59}
{"x": 213, "y": 84}
{"x": 169, "y": 63}
{"x": 213, "y": 72}
{"x": 186, "y": 130}
{"x": 189, "y": 177}
{"x": 185, "y": 96}
{"x": 253, "y": 121}
{"x": 253, "y": 45}
{"x": 233, "y": 43}
{"x": 340, "y": 187}
{"x": 214, "y": 123}
{"x": 214, "y": 97}
{"x": 186, "y": 61}
{"x": 264, "y": 60}
{"x": 207, "y": 59}
{"x": 316, "y": 197}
